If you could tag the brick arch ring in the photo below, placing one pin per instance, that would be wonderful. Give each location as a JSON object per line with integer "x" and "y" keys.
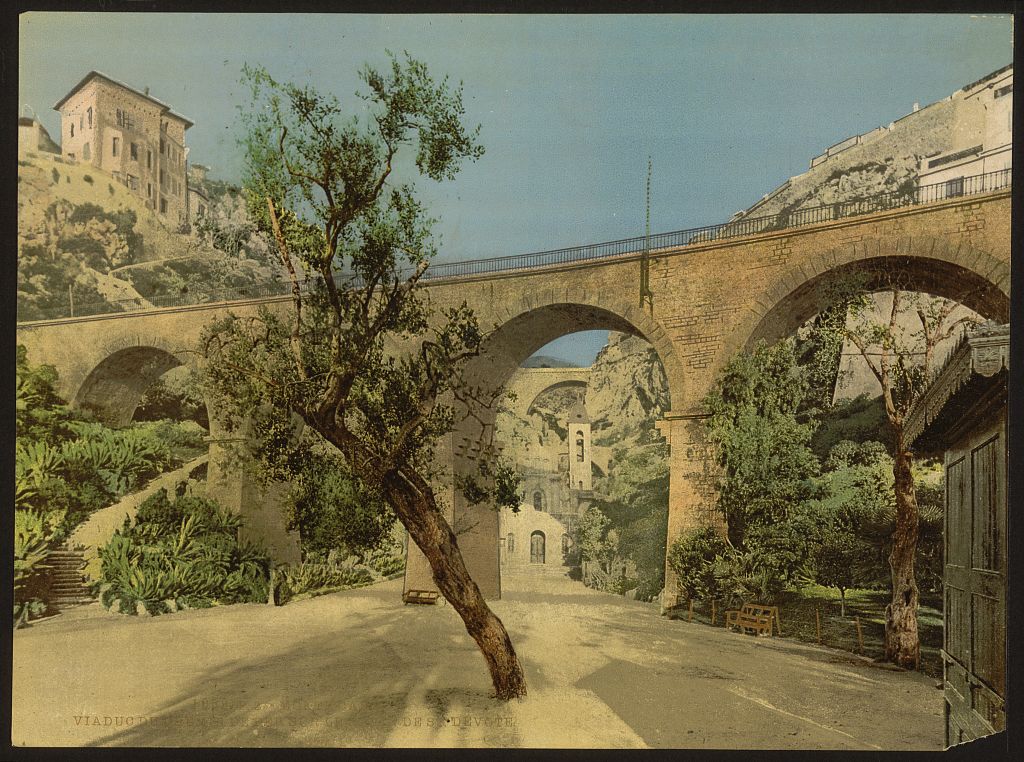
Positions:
{"x": 626, "y": 317}
{"x": 935, "y": 265}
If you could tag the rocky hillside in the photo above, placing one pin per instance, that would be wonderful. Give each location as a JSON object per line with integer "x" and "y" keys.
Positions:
{"x": 627, "y": 392}
{"x": 85, "y": 239}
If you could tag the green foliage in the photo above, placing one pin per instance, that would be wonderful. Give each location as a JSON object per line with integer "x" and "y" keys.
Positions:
{"x": 181, "y": 553}
{"x": 767, "y": 464}
{"x": 316, "y": 576}
{"x": 838, "y": 557}
{"x": 635, "y": 503}
{"x": 33, "y": 540}
{"x": 342, "y": 219}
{"x": 178, "y": 399}
{"x": 333, "y": 508}
{"x": 693, "y": 557}
{"x": 67, "y": 466}
{"x": 590, "y": 538}
{"x": 858, "y": 420}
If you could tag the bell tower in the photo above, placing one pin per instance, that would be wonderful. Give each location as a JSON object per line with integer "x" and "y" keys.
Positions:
{"x": 578, "y": 424}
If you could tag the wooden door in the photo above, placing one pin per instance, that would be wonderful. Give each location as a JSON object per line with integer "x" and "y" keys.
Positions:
{"x": 974, "y": 582}
{"x": 537, "y": 548}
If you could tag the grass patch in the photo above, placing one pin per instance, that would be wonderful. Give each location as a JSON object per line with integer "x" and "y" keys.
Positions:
{"x": 797, "y": 619}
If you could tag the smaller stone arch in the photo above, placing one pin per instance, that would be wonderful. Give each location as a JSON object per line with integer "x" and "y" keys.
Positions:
{"x": 113, "y": 389}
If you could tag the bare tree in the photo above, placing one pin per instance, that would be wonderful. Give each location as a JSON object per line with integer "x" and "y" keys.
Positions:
{"x": 902, "y": 361}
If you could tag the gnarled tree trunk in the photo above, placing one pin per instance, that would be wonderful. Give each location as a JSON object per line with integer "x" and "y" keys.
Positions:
{"x": 902, "y": 645}
{"x": 416, "y": 507}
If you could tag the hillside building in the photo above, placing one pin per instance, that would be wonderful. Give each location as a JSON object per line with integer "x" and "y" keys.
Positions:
{"x": 132, "y": 136}
{"x": 32, "y": 136}
{"x": 983, "y": 140}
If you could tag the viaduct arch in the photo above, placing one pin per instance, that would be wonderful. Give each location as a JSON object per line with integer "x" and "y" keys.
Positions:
{"x": 711, "y": 299}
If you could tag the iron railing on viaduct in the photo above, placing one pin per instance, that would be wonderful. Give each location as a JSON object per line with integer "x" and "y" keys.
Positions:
{"x": 738, "y": 227}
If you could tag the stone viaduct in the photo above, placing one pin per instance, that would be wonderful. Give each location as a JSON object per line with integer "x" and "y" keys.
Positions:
{"x": 711, "y": 299}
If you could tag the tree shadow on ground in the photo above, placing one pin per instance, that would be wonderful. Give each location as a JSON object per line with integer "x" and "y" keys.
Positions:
{"x": 326, "y": 690}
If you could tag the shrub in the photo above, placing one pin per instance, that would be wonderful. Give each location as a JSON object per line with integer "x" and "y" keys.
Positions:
{"x": 692, "y": 557}
{"x": 181, "y": 553}
{"x": 312, "y": 576}
{"x": 33, "y": 534}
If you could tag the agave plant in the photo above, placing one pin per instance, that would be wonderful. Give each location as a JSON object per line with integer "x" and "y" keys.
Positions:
{"x": 35, "y": 462}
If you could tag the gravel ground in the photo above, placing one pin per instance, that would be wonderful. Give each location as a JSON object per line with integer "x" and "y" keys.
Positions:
{"x": 358, "y": 668}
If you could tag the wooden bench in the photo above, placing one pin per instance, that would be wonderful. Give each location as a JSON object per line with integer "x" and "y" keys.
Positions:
{"x": 755, "y": 618}
{"x": 420, "y": 596}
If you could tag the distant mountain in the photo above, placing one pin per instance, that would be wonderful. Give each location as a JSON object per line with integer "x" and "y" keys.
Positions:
{"x": 544, "y": 361}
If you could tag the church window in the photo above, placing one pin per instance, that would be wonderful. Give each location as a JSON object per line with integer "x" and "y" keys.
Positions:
{"x": 538, "y": 501}
{"x": 579, "y": 448}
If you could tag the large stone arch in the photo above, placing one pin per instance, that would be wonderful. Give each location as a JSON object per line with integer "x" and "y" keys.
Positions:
{"x": 931, "y": 264}
{"x": 538, "y": 318}
{"x": 527, "y": 326}
{"x": 114, "y": 386}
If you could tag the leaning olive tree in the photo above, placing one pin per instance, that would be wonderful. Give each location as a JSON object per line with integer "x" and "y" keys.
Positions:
{"x": 355, "y": 241}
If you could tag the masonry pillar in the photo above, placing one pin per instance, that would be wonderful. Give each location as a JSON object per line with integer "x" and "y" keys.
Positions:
{"x": 231, "y": 481}
{"x": 475, "y": 526}
{"x": 691, "y": 492}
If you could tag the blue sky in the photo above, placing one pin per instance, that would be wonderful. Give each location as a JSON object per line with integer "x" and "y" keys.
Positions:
{"x": 570, "y": 107}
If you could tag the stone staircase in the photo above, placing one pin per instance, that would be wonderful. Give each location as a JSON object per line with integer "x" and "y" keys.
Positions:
{"x": 67, "y": 583}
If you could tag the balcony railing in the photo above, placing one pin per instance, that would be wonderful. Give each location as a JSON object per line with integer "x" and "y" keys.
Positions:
{"x": 737, "y": 228}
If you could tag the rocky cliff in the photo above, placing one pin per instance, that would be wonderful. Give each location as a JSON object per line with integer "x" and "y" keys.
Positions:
{"x": 628, "y": 390}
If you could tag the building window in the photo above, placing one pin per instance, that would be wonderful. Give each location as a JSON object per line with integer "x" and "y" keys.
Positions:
{"x": 579, "y": 448}
{"x": 85, "y": 152}
{"x": 538, "y": 501}
{"x": 163, "y": 147}
{"x": 115, "y": 147}
{"x": 163, "y": 206}
{"x": 89, "y": 116}
{"x": 581, "y": 484}
{"x": 133, "y": 182}
{"x": 72, "y": 129}
{"x": 954, "y": 187}
{"x": 133, "y": 149}
{"x": 149, "y": 159}
{"x": 511, "y": 543}
{"x": 124, "y": 119}
{"x": 149, "y": 190}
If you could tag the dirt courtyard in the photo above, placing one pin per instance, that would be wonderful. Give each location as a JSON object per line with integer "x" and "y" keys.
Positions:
{"x": 360, "y": 669}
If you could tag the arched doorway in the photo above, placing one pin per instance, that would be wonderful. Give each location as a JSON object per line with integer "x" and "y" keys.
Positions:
{"x": 537, "y": 547}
